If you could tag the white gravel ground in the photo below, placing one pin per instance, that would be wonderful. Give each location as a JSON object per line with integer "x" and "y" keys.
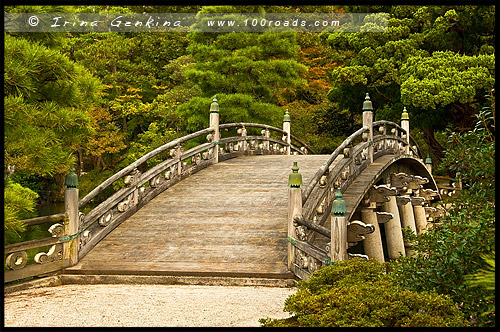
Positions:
{"x": 144, "y": 305}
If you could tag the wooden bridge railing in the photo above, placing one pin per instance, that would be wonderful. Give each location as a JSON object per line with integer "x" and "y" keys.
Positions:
{"x": 46, "y": 260}
{"x": 122, "y": 194}
{"x": 311, "y": 208}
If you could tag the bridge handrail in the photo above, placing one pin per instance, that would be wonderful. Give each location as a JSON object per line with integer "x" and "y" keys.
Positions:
{"x": 140, "y": 161}
{"x": 172, "y": 144}
{"x": 258, "y": 125}
{"x": 317, "y": 176}
{"x": 44, "y": 219}
{"x": 412, "y": 140}
{"x": 319, "y": 173}
{"x": 78, "y": 232}
{"x": 308, "y": 213}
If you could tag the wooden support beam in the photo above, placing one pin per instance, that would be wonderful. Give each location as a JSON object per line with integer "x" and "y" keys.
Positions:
{"x": 299, "y": 219}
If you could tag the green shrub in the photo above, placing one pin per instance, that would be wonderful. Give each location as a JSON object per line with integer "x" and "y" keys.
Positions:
{"x": 358, "y": 293}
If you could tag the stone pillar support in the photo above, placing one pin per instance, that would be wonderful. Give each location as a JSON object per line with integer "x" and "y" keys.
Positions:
{"x": 373, "y": 241}
{"x": 419, "y": 214}
{"x": 393, "y": 233}
{"x": 407, "y": 219}
{"x": 406, "y": 213}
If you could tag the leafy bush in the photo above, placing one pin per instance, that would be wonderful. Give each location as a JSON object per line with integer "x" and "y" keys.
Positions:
{"x": 358, "y": 293}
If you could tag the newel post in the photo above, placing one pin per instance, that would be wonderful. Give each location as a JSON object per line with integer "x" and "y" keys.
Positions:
{"x": 70, "y": 247}
{"x": 294, "y": 208}
{"x": 405, "y": 124}
{"x": 338, "y": 237}
{"x": 368, "y": 122}
{"x": 286, "y": 127}
{"x": 214, "y": 123}
{"x": 428, "y": 163}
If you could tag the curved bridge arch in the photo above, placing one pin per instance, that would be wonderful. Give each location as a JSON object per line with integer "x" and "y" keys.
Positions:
{"x": 377, "y": 176}
{"x": 380, "y": 173}
{"x": 364, "y": 161}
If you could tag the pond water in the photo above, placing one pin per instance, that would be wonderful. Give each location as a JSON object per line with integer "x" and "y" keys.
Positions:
{"x": 48, "y": 209}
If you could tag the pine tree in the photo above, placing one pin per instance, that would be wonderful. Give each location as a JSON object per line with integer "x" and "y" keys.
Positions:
{"x": 47, "y": 101}
{"x": 404, "y": 65}
{"x": 248, "y": 71}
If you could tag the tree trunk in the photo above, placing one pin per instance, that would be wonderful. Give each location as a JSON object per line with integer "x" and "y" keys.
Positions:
{"x": 101, "y": 161}
{"x": 60, "y": 180}
{"x": 463, "y": 116}
{"x": 436, "y": 148}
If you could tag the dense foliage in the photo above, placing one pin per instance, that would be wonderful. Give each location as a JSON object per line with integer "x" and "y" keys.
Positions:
{"x": 455, "y": 246}
{"x": 47, "y": 103}
{"x": 435, "y": 60}
{"x": 18, "y": 203}
{"x": 358, "y": 293}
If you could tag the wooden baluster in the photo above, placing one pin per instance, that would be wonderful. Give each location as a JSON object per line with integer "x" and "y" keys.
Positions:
{"x": 338, "y": 234}
{"x": 405, "y": 124}
{"x": 179, "y": 162}
{"x": 383, "y": 131}
{"x": 294, "y": 208}
{"x": 428, "y": 163}
{"x": 214, "y": 123}
{"x": 244, "y": 144}
{"x": 135, "y": 181}
{"x": 368, "y": 122}
{"x": 70, "y": 248}
{"x": 286, "y": 127}
{"x": 266, "y": 145}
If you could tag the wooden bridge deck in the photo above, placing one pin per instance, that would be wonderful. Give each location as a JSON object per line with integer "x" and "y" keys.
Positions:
{"x": 229, "y": 219}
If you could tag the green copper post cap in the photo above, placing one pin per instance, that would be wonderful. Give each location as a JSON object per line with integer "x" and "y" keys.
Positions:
{"x": 295, "y": 178}
{"x": 286, "y": 118}
{"x": 71, "y": 179}
{"x": 428, "y": 160}
{"x": 405, "y": 116}
{"x": 338, "y": 205}
{"x": 214, "y": 107}
{"x": 367, "y": 104}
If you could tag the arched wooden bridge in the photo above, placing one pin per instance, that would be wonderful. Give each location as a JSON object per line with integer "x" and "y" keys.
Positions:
{"x": 225, "y": 202}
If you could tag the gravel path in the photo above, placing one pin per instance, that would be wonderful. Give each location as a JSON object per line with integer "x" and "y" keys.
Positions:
{"x": 144, "y": 305}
